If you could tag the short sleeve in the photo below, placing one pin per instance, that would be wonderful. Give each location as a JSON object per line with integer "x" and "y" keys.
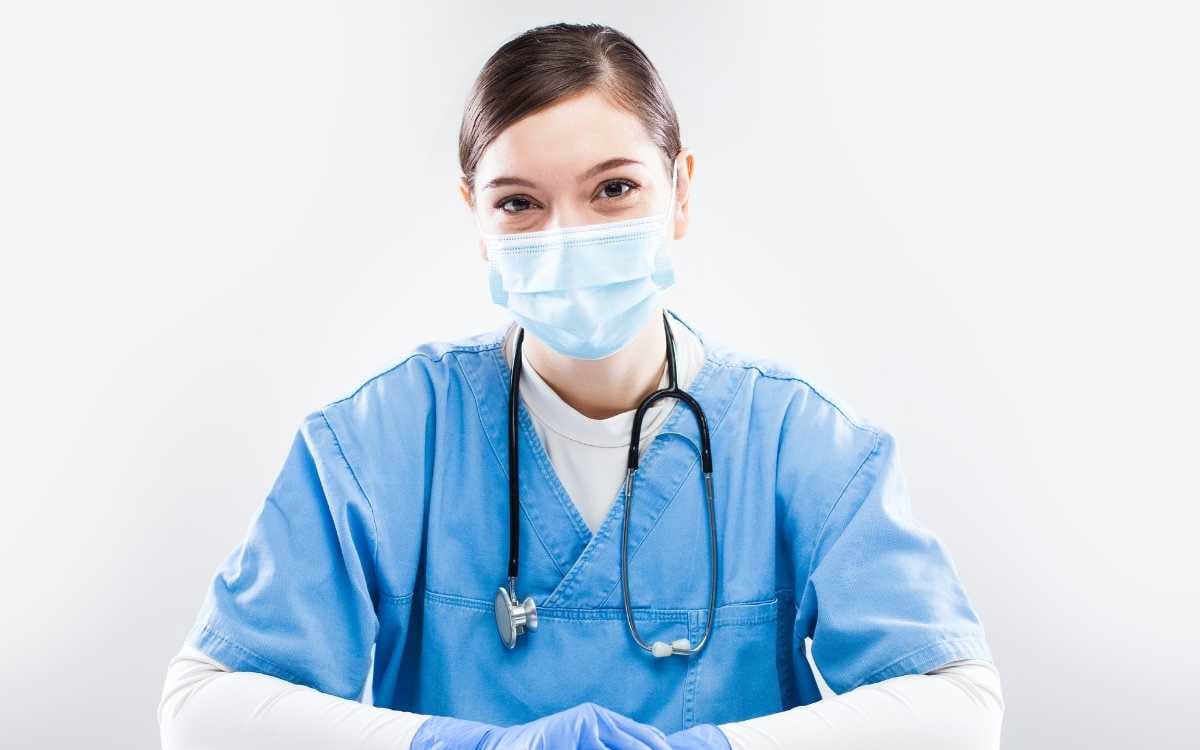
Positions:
{"x": 294, "y": 598}
{"x": 883, "y": 597}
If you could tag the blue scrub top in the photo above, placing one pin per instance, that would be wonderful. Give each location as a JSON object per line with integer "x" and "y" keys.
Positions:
{"x": 388, "y": 527}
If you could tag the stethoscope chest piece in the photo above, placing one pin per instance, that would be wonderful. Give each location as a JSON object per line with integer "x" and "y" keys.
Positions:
{"x": 512, "y": 617}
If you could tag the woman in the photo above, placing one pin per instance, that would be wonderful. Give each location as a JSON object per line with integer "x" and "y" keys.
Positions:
{"x": 595, "y": 624}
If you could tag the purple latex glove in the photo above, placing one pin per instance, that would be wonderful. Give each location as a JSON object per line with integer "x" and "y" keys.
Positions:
{"x": 587, "y": 726}
{"x": 699, "y": 737}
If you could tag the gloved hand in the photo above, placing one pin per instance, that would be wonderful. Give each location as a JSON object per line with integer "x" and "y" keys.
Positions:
{"x": 699, "y": 737}
{"x": 587, "y": 726}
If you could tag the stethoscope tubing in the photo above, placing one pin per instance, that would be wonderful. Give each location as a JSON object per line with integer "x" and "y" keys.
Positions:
{"x": 671, "y": 391}
{"x": 514, "y": 482}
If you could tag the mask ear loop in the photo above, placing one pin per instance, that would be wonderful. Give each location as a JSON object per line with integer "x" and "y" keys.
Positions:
{"x": 668, "y": 223}
{"x": 479, "y": 227}
{"x": 671, "y": 199}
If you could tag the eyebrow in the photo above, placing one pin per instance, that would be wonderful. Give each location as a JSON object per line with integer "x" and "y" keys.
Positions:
{"x": 603, "y": 166}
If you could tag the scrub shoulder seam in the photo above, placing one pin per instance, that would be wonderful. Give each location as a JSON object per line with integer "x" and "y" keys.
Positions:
{"x": 375, "y": 537}
{"x": 449, "y": 349}
{"x": 780, "y": 374}
{"x": 878, "y": 442}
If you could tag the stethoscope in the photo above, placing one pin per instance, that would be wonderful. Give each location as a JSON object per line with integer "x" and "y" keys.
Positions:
{"x": 514, "y": 617}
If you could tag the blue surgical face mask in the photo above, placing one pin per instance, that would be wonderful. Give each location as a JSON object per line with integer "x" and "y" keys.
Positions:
{"x": 584, "y": 290}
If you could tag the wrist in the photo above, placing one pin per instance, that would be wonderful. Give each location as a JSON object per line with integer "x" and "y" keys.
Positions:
{"x": 699, "y": 737}
{"x": 444, "y": 732}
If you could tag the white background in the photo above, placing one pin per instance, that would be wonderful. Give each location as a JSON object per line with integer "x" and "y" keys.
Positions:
{"x": 974, "y": 222}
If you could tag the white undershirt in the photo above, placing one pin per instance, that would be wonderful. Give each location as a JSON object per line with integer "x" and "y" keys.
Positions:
{"x": 589, "y": 455}
{"x": 959, "y": 705}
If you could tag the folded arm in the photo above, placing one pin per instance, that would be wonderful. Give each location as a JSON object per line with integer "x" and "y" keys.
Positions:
{"x": 959, "y": 705}
{"x": 204, "y": 704}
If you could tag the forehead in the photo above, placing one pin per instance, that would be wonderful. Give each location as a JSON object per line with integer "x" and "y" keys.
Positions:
{"x": 562, "y": 140}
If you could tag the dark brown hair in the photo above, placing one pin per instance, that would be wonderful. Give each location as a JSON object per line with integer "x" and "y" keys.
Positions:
{"x": 548, "y": 63}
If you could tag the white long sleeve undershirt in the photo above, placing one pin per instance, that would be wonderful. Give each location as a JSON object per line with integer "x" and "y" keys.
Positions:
{"x": 204, "y": 704}
{"x": 959, "y": 706}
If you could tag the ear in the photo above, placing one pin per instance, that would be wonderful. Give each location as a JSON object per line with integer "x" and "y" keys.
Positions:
{"x": 683, "y": 192}
{"x": 464, "y": 190}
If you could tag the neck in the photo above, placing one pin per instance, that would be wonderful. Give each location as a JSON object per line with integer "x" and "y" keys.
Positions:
{"x": 602, "y": 388}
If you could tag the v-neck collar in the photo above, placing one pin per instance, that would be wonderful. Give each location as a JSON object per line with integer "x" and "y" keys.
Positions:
{"x": 590, "y": 563}
{"x": 551, "y": 413}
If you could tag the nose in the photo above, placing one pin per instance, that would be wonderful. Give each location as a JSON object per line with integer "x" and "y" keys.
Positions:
{"x": 566, "y": 218}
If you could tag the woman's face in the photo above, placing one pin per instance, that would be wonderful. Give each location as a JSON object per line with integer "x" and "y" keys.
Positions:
{"x": 581, "y": 161}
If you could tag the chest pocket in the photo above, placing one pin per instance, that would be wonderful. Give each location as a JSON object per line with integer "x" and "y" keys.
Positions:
{"x": 579, "y": 654}
{"x": 747, "y": 667}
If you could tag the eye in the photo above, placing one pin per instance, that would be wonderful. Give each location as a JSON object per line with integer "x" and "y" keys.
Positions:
{"x": 521, "y": 200}
{"x": 607, "y": 193}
